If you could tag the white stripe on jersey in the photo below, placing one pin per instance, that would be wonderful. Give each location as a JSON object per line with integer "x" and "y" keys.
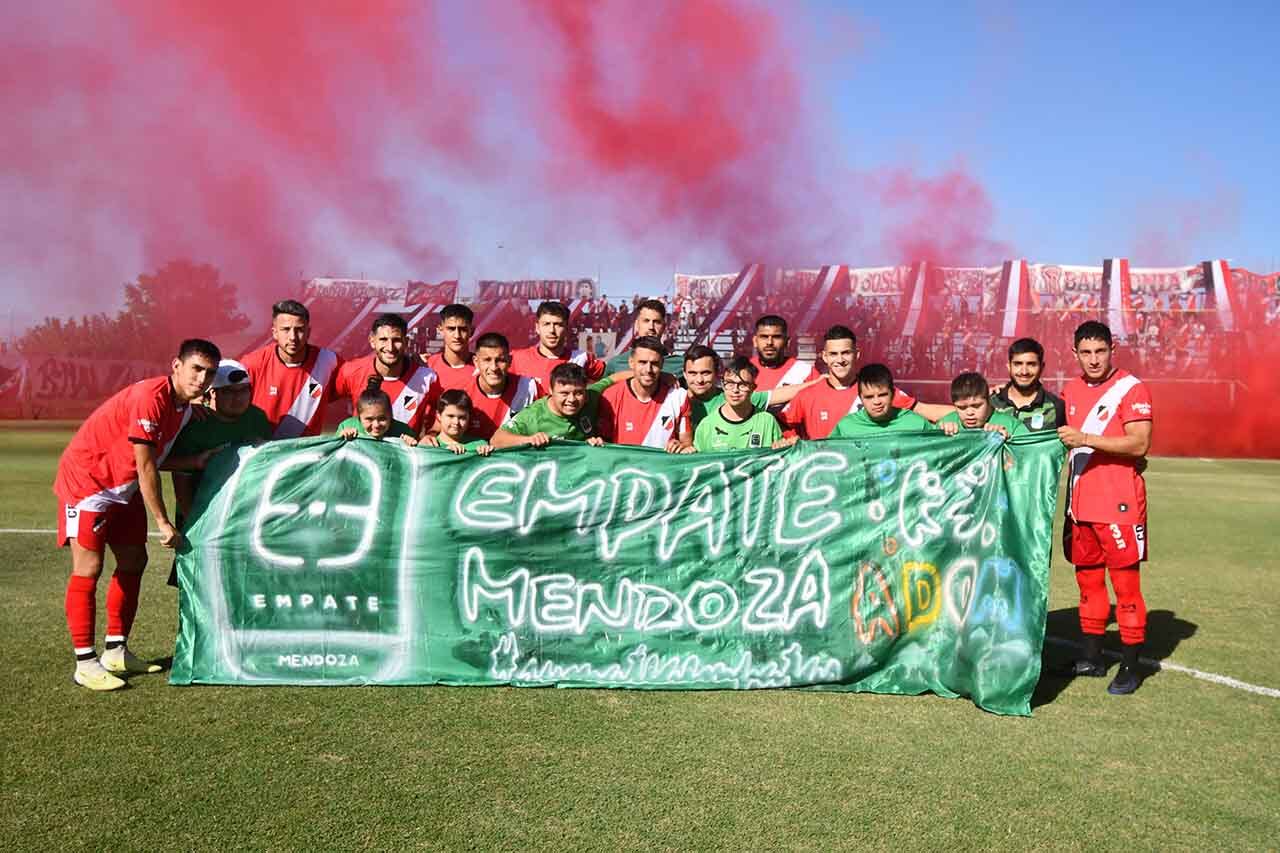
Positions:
{"x": 304, "y": 406}
{"x": 660, "y": 431}
{"x": 1096, "y": 422}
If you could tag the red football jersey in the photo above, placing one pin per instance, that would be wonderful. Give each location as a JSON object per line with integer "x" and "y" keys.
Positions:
{"x": 816, "y": 410}
{"x": 98, "y": 469}
{"x": 293, "y": 396}
{"x": 626, "y": 419}
{"x": 451, "y": 377}
{"x": 1105, "y": 488}
{"x": 489, "y": 412}
{"x": 413, "y": 397}
{"x": 793, "y": 371}
{"x": 536, "y": 366}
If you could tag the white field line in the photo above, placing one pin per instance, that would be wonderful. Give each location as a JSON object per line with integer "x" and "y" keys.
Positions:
{"x": 1224, "y": 680}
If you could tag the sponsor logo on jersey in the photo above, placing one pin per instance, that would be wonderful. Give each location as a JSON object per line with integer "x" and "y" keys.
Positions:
{"x": 1142, "y": 408}
{"x": 756, "y": 440}
{"x": 822, "y": 415}
{"x": 147, "y": 426}
{"x": 273, "y": 391}
{"x": 1123, "y": 507}
{"x": 1073, "y": 409}
{"x": 629, "y": 427}
{"x": 1037, "y": 420}
{"x": 72, "y": 512}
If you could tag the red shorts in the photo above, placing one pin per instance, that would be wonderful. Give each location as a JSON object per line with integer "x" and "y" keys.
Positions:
{"x": 119, "y": 524}
{"x": 1096, "y": 543}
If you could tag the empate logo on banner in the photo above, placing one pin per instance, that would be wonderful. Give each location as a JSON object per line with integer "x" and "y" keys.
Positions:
{"x": 301, "y": 592}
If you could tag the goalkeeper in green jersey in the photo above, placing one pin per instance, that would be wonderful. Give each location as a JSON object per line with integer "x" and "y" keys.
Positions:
{"x": 737, "y": 424}
{"x": 569, "y": 412}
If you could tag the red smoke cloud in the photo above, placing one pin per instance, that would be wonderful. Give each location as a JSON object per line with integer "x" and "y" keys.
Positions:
{"x": 276, "y": 138}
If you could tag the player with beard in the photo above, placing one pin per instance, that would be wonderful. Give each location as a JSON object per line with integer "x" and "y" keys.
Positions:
{"x": 816, "y": 410}
{"x": 537, "y": 362}
{"x": 701, "y": 375}
{"x": 411, "y": 386}
{"x": 1023, "y": 396}
{"x": 108, "y": 480}
{"x": 1108, "y": 431}
{"x": 775, "y": 367}
{"x": 453, "y": 364}
{"x": 569, "y": 412}
{"x": 292, "y": 380}
{"x": 649, "y": 409}
{"x": 650, "y": 321}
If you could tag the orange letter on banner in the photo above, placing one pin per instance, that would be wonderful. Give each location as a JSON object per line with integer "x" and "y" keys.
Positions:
{"x": 873, "y": 597}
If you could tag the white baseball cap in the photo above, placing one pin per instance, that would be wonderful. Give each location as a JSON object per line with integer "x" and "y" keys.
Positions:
{"x": 231, "y": 372}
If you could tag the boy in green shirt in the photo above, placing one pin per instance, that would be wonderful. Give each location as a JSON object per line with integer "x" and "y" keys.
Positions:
{"x": 702, "y": 366}
{"x": 569, "y": 412}
{"x": 737, "y": 423}
{"x": 373, "y": 418}
{"x": 453, "y": 415}
{"x": 878, "y": 415}
{"x": 969, "y": 394}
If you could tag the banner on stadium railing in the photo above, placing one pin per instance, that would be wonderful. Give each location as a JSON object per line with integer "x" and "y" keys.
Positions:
{"x": 708, "y": 287}
{"x": 562, "y": 290}
{"x": 354, "y": 288}
{"x": 426, "y": 293}
{"x": 895, "y": 565}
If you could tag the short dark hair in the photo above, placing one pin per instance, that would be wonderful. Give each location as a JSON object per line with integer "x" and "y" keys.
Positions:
{"x": 740, "y": 364}
{"x": 839, "y": 333}
{"x": 875, "y": 376}
{"x": 969, "y": 385}
{"x": 1092, "y": 330}
{"x": 555, "y": 309}
{"x": 649, "y": 342}
{"x": 458, "y": 310}
{"x": 395, "y": 321}
{"x": 454, "y": 397}
{"x": 772, "y": 320}
{"x": 568, "y": 374}
{"x": 1022, "y": 346}
{"x": 293, "y": 308}
{"x": 653, "y": 305}
{"x": 492, "y": 340}
{"x": 199, "y": 346}
{"x": 698, "y": 351}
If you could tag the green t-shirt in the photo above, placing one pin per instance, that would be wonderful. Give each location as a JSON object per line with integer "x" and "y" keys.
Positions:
{"x": 199, "y": 436}
{"x": 538, "y": 417}
{"x": 1009, "y": 422}
{"x": 397, "y": 429}
{"x": 698, "y": 408}
{"x": 859, "y": 424}
{"x": 716, "y": 432}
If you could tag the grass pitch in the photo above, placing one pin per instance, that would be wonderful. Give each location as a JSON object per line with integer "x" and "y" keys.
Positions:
{"x": 1181, "y": 764}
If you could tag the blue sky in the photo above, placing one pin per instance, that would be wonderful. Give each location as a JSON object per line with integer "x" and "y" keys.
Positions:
{"x": 1095, "y": 127}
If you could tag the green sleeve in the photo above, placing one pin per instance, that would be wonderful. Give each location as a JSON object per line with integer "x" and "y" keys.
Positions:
{"x": 522, "y": 423}
{"x": 350, "y": 423}
{"x": 474, "y": 444}
{"x": 601, "y": 384}
{"x": 772, "y": 431}
{"x": 700, "y": 440}
{"x": 759, "y": 400}
{"x": 949, "y": 418}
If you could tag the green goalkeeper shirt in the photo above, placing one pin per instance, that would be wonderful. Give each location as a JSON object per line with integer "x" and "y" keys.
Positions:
{"x": 717, "y": 432}
{"x": 539, "y": 417}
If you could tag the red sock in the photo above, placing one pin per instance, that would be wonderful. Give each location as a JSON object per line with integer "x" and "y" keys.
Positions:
{"x": 1131, "y": 609}
{"x": 122, "y": 603}
{"x": 1095, "y": 606}
{"x": 82, "y": 610}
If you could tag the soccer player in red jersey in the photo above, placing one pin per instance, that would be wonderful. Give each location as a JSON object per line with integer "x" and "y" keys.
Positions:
{"x": 292, "y": 380}
{"x": 108, "y": 479}
{"x": 411, "y": 386}
{"x": 645, "y": 410}
{"x": 497, "y": 395}
{"x": 453, "y": 364}
{"x": 1108, "y": 431}
{"x": 815, "y": 411}
{"x": 553, "y": 348}
{"x": 776, "y": 368}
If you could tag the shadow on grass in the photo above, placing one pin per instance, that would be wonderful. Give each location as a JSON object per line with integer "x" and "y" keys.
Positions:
{"x": 1165, "y": 631}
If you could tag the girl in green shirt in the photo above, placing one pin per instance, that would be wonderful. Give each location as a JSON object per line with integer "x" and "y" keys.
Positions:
{"x": 373, "y": 419}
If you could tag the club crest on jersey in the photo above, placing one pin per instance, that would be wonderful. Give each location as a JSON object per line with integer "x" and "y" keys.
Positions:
{"x": 756, "y": 440}
{"x": 585, "y": 424}
{"x": 410, "y": 402}
{"x": 666, "y": 419}
{"x": 1037, "y": 420}
{"x": 315, "y": 389}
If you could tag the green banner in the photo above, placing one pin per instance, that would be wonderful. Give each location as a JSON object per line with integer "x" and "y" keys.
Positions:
{"x": 896, "y": 564}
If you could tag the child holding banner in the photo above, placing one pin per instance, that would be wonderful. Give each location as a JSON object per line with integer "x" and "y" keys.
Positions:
{"x": 373, "y": 418}
{"x": 453, "y": 414}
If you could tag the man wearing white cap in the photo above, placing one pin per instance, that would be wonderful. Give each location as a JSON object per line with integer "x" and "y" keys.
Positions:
{"x": 229, "y": 418}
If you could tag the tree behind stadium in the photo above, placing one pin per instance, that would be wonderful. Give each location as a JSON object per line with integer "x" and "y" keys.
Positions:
{"x": 180, "y": 299}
